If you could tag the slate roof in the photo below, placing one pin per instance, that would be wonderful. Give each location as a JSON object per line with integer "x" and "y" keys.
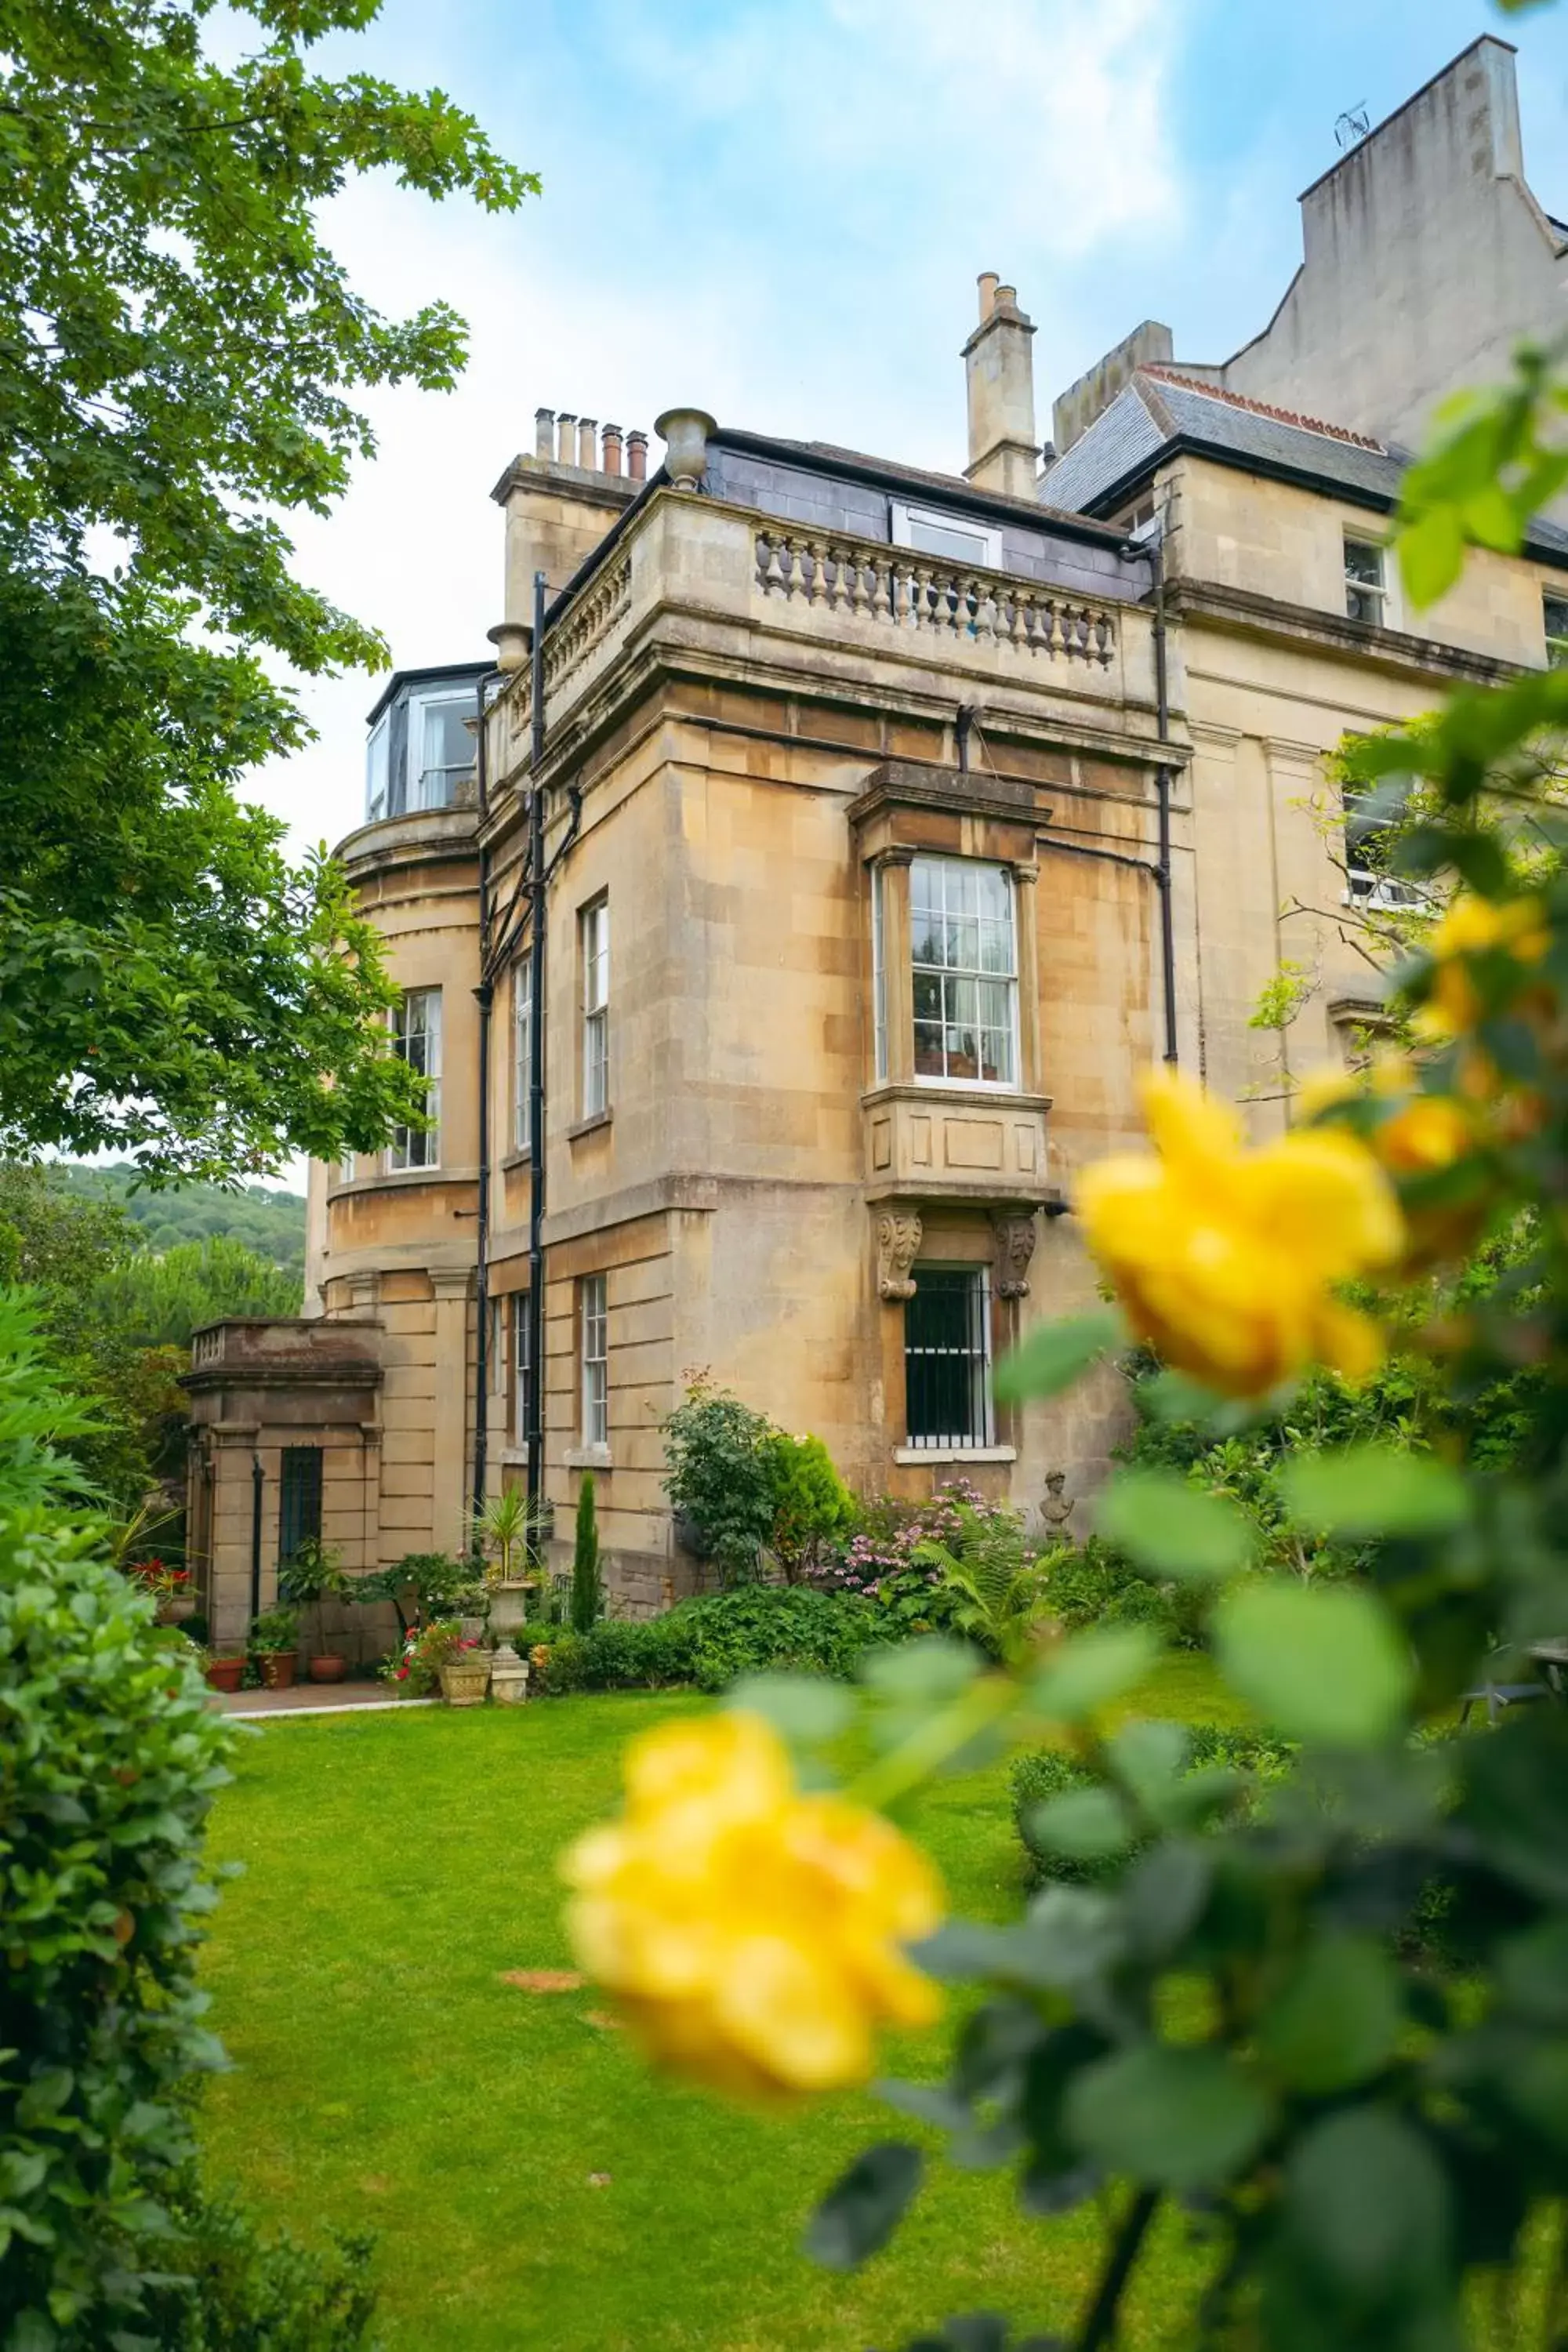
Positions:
{"x": 1162, "y": 410}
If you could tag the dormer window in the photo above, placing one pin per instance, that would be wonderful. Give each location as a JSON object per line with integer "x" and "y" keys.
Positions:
{"x": 931, "y": 532}
{"x": 421, "y": 748}
{"x": 441, "y": 748}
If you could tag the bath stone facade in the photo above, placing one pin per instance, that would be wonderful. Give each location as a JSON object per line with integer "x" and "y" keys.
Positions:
{"x": 876, "y": 806}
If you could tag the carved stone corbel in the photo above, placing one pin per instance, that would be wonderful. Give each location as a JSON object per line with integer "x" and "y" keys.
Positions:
{"x": 1015, "y": 1247}
{"x": 898, "y": 1243}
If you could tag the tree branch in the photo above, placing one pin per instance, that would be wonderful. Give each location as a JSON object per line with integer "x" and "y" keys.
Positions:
{"x": 1099, "y": 2322}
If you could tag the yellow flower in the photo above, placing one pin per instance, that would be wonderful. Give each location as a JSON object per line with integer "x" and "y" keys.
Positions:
{"x": 1473, "y": 927}
{"x": 1225, "y": 1258}
{"x": 752, "y": 1934}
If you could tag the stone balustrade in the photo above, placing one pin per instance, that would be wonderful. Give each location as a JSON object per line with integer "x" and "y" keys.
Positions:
{"x": 902, "y": 589}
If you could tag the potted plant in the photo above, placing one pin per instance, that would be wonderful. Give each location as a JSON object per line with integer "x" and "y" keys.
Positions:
{"x": 465, "y": 1674}
{"x": 274, "y": 1639}
{"x": 514, "y": 1536}
{"x": 225, "y": 1672}
{"x": 172, "y": 1590}
{"x": 308, "y": 1581}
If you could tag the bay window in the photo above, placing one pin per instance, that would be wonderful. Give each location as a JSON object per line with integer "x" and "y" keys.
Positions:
{"x": 965, "y": 970}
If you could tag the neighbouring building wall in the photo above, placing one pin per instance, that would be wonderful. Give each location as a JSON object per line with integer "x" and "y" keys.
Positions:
{"x": 1427, "y": 259}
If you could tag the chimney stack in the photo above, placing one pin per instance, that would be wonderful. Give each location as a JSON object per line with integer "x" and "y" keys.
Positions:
{"x": 999, "y": 371}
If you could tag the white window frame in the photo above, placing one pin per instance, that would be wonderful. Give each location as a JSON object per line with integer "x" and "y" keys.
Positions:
{"x": 594, "y": 1345}
{"x": 1554, "y": 603}
{"x": 983, "y": 1406}
{"x": 976, "y": 977}
{"x": 378, "y": 753}
{"x": 419, "y": 1147}
{"x": 419, "y": 800}
{"x": 879, "y": 977}
{"x": 1369, "y": 887}
{"x": 907, "y": 520}
{"x": 1375, "y": 592}
{"x": 522, "y": 1048}
{"x": 594, "y": 936}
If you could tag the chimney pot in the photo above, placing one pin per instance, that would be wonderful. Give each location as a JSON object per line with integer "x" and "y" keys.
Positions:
{"x": 1005, "y": 298}
{"x": 636, "y": 456}
{"x": 545, "y": 433}
{"x": 566, "y": 445}
{"x": 587, "y": 434}
{"x": 989, "y": 281}
{"x": 612, "y": 460}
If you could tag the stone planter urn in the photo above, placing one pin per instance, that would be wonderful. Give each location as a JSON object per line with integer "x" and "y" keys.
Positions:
{"x": 508, "y": 1677}
{"x": 464, "y": 1680}
{"x": 509, "y": 1604}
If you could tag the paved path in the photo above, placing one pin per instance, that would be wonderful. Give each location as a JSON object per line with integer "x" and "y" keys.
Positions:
{"x": 308, "y": 1698}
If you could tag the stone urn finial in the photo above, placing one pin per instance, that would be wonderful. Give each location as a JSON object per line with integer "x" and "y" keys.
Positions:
{"x": 685, "y": 432}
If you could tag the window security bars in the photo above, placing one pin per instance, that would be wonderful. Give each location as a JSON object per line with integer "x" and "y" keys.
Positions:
{"x": 299, "y": 1501}
{"x": 947, "y": 1359}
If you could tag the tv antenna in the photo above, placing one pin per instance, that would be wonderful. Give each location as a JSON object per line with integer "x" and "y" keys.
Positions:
{"x": 1352, "y": 127}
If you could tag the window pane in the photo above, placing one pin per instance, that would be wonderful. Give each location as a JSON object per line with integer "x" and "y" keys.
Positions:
{"x": 522, "y": 1049}
{"x": 946, "y": 1358}
{"x": 375, "y": 770}
{"x": 1556, "y": 614}
{"x": 416, "y": 1037}
{"x": 1363, "y": 562}
{"x": 594, "y": 1312}
{"x": 936, "y": 538}
{"x": 300, "y": 1500}
{"x": 441, "y": 749}
{"x": 967, "y": 931}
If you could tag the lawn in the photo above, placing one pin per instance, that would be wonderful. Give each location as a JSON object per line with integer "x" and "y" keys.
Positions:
{"x": 530, "y": 2184}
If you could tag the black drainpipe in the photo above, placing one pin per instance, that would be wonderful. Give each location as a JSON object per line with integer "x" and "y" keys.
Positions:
{"x": 1162, "y": 786}
{"x": 536, "y": 881}
{"x": 484, "y": 995}
{"x": 258, "y": 1481}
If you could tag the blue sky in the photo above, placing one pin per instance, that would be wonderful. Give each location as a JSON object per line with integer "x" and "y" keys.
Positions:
{"x": 777, "y": 208}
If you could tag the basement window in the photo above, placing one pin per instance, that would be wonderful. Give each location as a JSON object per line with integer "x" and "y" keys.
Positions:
{"x": 947, "y": 1359}
{"x": 1366, "y": 592}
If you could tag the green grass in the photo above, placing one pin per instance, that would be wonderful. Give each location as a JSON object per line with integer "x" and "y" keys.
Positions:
{"x": 387, "y": 2077}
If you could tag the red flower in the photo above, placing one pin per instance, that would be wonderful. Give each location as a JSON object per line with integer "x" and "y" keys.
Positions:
{"x": 402, "y": 1675}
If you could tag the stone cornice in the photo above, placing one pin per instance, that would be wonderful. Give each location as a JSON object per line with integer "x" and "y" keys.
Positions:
{"x": 1245, "y": 613}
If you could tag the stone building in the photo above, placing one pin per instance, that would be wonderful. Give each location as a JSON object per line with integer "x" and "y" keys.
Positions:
{"x": 894, "y": 823}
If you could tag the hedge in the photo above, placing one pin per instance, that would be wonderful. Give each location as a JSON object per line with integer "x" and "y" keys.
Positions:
{"x": 707, "y": 1642}
{"x": 1050, "y": 1771}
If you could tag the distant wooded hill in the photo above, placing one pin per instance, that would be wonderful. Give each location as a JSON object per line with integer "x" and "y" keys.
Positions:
{"x": 271, "y": 1223}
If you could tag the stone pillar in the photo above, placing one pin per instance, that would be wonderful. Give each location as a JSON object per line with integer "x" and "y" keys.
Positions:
{"x": 449, "y": 1493}
{"x": 890, "y": 874}
{"x": 1025, "y": 927}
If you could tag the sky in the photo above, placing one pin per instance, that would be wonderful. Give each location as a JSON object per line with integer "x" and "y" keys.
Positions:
{"x": 777, "y": 210}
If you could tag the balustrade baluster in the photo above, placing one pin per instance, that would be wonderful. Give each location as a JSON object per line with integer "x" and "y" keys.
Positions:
{"x": 859, "y": 601}
{"x": 1105, "y": 634}
{"x": 881, "y": 588}
{"x": 984, "y": 614}
{"x": 817, "y": 550}
{"x": 924, "y": 616}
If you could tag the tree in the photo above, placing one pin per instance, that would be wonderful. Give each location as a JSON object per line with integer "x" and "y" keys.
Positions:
{"x": 158, "y": 1299}
{"x": 173, "y": 368}
{"x": 587, "y": 1584}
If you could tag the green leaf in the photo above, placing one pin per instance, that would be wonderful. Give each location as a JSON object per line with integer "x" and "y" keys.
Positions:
{"x": 1052, "y": 1357}
{"x": 1181, "y": 2119}
{"x": 1373, "y": 1490}
{"x": 1083, "y": 1823}
{"x": 1091, "y": 1669}
{"x": 863, "y": 2209}
{"x": 926, "y": 1671}
{"x": 804, "y": 1707}
{"x": 1325, "y": 1663}
{"x": 1147, "y": 1758}
{"x": 1338, "y": 2017}
{"x": 1171, "y": 1528}
{"x": 1368, "y": 2203}
{"x": 1431, "y": 555}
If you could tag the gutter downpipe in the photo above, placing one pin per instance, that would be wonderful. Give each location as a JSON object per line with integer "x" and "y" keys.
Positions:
{"x": 1162, "y": 878}
{"x": 484, "y": 996}
{"x": 258, "y": 1481}
{"x": 537, "y": 878}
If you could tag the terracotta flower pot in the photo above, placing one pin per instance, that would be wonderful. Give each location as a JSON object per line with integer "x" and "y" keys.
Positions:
{"x": 278, "y": 1668}
{"x": 328, "y": 1668}
{"x": 225, "y": 1674}
{"x": 464, "y": 1680}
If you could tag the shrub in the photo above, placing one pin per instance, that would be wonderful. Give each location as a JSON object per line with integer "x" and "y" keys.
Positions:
{"x": 1052, "y": 1771}
{"x": 814, "y": 1511}
{"x": 720, "y": 1476}
{"x": 587, "y": 1584}
{"x": 243, "y": 2292}
{"x": 891, "y": 1532}
{"x": 111, "y": 1762}
{"x": 1092, "y": 1584}
{"x": 709, "y": 1640}
{"x": 275, "y": 1629}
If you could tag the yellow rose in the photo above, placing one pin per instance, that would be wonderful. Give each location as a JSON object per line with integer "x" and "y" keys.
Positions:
{"x": 1472, "y": 927}
{"x": 752, "y": 1935}
{"x": 1225, "y": 1258}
